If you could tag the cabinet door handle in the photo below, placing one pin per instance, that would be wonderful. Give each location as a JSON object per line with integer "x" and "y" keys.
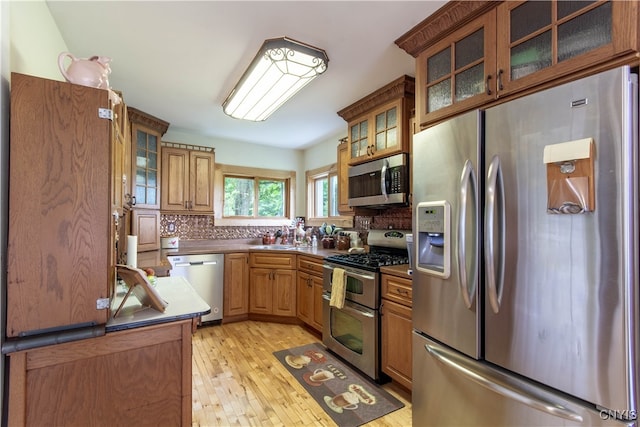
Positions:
{"x": 500, "y": 87}
{"x": 488, "y": 84}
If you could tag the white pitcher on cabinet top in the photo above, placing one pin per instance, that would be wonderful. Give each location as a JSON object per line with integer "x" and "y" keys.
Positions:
{"x": 92, "y": 72}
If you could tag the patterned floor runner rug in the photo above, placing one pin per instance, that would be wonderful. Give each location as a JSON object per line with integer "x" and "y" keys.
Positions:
{"x": 350, "y": 398}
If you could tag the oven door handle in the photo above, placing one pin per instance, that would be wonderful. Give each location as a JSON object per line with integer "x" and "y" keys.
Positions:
{"x": 351, "y": 273}
{"x": 350, "y": 308}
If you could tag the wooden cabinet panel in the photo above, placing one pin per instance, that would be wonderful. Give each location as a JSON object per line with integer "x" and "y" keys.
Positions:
{"x": 343, "y": 179}
{"x": 236, "y": 285}
{"x": 135, "y": 377}
{"x": 396, "y": 342}
{"x": 272, "y": 260}
{"x": 187, "y": 178}
{"x": 261, "y": 291}
{"x": 60, "y": 215}
{"x": 175, "y": 180}
{"x": 284, "y": 293}
{"x": 146, "y": 225}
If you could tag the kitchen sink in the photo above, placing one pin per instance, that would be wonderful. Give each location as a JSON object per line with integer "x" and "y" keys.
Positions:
{"x": 281, "y": 247}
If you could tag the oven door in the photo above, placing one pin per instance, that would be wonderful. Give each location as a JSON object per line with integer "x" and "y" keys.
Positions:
{"x": 352, "y": 332}
{"x": 361, "y": 285}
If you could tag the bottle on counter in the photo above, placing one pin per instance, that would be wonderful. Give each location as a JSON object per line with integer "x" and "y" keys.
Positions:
{"x": 314, "y": 242}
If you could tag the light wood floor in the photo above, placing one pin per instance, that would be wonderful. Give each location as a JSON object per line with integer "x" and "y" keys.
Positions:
{"x": 238, "y": 382}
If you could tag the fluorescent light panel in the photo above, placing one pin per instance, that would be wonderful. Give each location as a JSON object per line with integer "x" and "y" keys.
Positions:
{"x": 280, "y": 69}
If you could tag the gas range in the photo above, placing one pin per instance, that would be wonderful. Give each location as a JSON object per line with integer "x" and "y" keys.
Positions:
{"x": 368, "y": 261}
{"x": 386, "y": 247}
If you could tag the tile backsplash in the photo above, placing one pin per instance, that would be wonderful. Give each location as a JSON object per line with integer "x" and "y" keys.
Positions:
{"x": 202, "y": 227}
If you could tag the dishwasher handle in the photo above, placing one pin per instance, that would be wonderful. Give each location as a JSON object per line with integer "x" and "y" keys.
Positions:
{"x": 188, "y": 264}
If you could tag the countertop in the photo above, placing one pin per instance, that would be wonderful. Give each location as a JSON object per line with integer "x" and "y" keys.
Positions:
{"x": 158, "y": 259}
{"x": 183, "y": 303}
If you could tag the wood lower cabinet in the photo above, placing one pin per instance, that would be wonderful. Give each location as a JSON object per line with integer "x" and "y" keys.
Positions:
{"x": 310, "y": 291}
{"x": 397, "y": 328}
{"x": 272, "y": 284}
{"x": 236, "y": 286}
{"x": 130, "y": 378}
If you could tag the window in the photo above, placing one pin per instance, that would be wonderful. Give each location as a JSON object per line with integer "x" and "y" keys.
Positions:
{"x": 322, "y": 197}
{"x": 240, "y": 197}
{"x": 253, "y": 196}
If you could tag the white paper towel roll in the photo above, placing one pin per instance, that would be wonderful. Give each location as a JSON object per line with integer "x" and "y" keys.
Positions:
{"x": 132, "y": 251}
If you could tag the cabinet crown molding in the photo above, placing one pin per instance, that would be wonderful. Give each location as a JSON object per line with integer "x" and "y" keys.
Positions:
{"x": 403, "y": 87}
{"x": 443, "y": 21}
{"x": 152, "y": 122}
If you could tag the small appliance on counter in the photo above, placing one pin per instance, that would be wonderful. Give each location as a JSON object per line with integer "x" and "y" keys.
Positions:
{"x": 170, "y": 242}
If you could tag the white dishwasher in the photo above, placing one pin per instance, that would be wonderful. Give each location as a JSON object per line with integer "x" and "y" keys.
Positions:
{"x": 205, "y": 272}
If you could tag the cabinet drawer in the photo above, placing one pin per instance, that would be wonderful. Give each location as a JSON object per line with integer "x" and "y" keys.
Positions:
{"x": 273, "y": 260}
{"x": 311, "y": 265}
{"x": 397, "y": 289}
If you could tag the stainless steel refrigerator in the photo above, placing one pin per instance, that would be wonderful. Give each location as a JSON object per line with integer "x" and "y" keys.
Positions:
{"x": 525, "y": 279}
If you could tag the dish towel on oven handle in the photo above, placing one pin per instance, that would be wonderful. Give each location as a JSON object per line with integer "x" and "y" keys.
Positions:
{"x": 338, "y": 288}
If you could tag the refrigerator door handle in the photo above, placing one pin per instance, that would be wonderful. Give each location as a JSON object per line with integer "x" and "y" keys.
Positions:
{"x": 494, "y": 208}
{"x": 502, "y": 384}
{"x": 468, "y": 179}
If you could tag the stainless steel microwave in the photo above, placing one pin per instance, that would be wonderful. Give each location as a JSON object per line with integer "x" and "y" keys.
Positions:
{"x": 380, "y": 182}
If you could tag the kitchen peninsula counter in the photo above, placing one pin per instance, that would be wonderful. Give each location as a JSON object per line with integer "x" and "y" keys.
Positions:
{"x": 183, "y": 303}
{"x": 138, "y": 373}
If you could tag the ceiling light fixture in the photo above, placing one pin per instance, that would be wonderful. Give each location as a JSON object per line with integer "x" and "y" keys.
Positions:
{"x": 280, "y": 69}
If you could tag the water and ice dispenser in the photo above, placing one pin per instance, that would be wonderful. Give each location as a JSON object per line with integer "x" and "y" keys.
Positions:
{"x": 433, "y": 238}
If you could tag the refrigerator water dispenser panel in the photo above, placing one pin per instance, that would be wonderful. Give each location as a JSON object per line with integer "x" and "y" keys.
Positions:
{"x": 433, "y": 240}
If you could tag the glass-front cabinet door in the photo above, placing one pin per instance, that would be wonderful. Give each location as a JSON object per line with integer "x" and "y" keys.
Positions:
{"x": 542, "y": 40}
{"x": 457, "y": 72}
{"x": 359, "y": 138}
{"x": 146, "y": 186}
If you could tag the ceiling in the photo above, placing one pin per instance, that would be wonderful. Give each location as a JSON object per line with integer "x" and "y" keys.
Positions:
{"x": 178, "y": 60}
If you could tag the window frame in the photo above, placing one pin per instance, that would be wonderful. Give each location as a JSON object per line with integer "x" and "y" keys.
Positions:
{"x": 223, "y": 171}
{"x": 312, "y": 218}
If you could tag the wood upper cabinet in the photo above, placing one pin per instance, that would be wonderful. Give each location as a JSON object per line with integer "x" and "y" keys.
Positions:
{"x": 187, "y": 178}
{"x": 121, "y": 156}
{"x": 504, "y": 48}
{"x": 59, "y": 248}
{"x": 145, "y": 224}
{"x": 456, "y": 73}
{"x": 272, "y": 284}
{"x": 378, "y": 125}
{"x": 539, "y": 41}
{"x": 343, "y": 179}
{"x": 236, "y": 285}
{"x": 146, "y": 132}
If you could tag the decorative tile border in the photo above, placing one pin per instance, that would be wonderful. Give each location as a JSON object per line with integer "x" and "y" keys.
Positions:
{"x": 202, "y": 227}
